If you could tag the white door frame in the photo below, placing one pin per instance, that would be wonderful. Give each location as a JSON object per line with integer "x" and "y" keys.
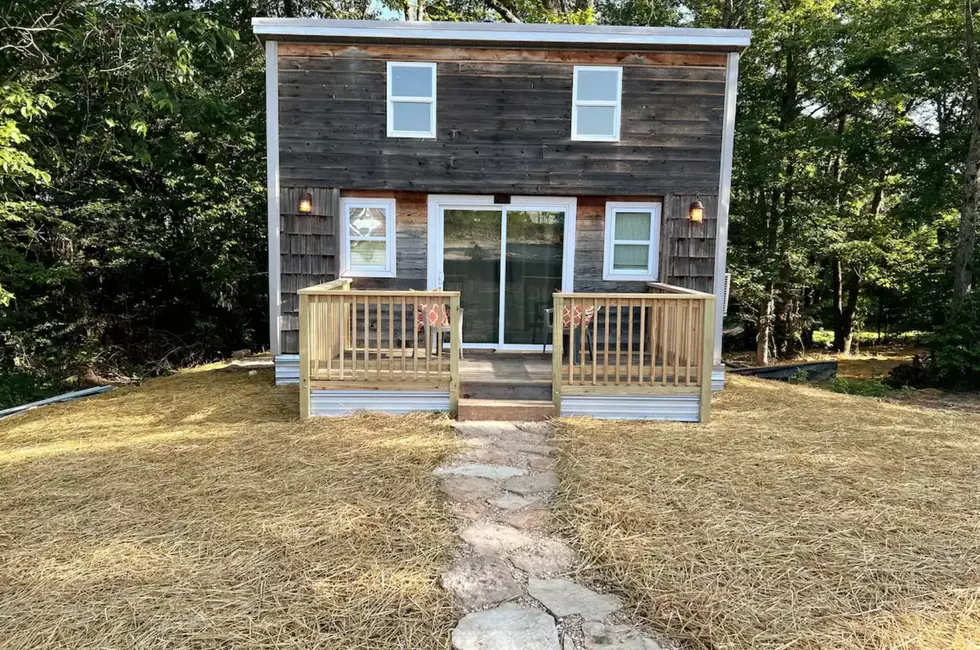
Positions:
{"x": 436, "y": 206}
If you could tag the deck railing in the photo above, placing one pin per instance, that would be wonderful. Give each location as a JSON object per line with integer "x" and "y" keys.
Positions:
{"x": 377, "y": 340}
{"x": 633, "y": 344}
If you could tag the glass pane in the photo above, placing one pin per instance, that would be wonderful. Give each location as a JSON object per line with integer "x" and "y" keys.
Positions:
{"x": 534, "y": 256}
{"x": 597, "y": 85}
{"x": 471, "y": 265}
{"x": 367, "y": 222}
{"x": 367, "y": 255}
{"x": 633, "y": 226}
{"x": 596, "y": 120}
{"x": 409, "y": 116}
{"x": 630, "y": 257}
{"x": 411, "y": 81}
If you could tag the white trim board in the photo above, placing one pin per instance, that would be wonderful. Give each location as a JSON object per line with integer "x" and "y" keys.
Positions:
{"x": 272, "y": 188}
{"x": 727, "y": 39}
{"x": 609, "y": 274}
{"x": 725, "y": 198}
{"x": 391, "y": 100}
{"x": 390, "y": 238}
{"x": 615, "y": 104}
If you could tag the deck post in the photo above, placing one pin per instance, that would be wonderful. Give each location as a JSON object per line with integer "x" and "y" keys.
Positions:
{"x": 556, "y": 352}
{"x": 304, "y": 356}
{"x": 707, "y": 358}
{"x": 455, "y": 336}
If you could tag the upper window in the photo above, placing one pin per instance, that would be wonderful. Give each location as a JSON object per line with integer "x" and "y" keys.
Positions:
{"x": 596, "y": 103}
{"x": 632, "y": 244}
{"x": 368, "y": 230}
{"x": 411, "y": 100}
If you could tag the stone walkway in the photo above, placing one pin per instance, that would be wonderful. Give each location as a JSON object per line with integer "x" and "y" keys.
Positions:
{"x": 508, "y": 572}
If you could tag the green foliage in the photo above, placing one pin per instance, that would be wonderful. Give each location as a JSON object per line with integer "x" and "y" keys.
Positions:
{"x": 862, "y": 387}
{"x": 955, "y": 352}
{"x": 824, "y": 338}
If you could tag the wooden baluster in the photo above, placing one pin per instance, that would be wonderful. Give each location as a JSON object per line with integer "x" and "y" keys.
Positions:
{"x": 666, "y": 338}
{"x": 439, "y": 343}
{"x": 595, "y": 338}
{"x": 556, "y": 352}
{"x": 654, "y": 332}
{"x": 404, "y": 336}
{"x": 643, "y": 336}
{"x": 391, "y": 338}
{"x": 678, "y": 341}
{"x": 328, "y": 326}
{"x": 582, "y": 339}
{"x": 605, "y": 345}
{"x": 692, "y": 339}
{"x": 559, "y": 323}
{"x": 619, "y": 336}
{"x": 629, "y": 343}
{"x": 367, "y": 338}
{"x": 344, "y": 328}
{"x": 428, "y": 337}
{"x": 415, "y": 341}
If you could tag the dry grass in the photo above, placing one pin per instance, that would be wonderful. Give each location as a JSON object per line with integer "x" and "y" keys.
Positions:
{"x": 198, "y": 512}
{"x": 797, "y": 519}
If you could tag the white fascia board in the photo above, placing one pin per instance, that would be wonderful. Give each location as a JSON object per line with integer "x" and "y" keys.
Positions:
{"x": 500, "y": 32}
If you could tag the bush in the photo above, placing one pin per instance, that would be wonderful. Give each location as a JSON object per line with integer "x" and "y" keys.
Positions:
{"x": 863, "y": 387}
{"x": 953, "y": 361}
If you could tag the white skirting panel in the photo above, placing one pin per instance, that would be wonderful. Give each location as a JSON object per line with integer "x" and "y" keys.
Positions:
{"x": 669, "y": 408}
{"x": 333, "y": 403}
{"x": 718, "y": 379}
{"x": 287, "y": 369}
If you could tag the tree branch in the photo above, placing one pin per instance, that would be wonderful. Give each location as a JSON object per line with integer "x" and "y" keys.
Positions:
{"x": 505, "y": 12}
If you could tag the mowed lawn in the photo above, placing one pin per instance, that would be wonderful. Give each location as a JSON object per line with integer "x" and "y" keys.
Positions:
{"x": 197, "y": 511}
{"x": 798, "y": 519}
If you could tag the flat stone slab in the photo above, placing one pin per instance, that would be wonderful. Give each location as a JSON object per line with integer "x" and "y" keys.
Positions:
{"x": 478, "y": 581}
{"x": 598, "y": 636}
{"x": 540, "y": 428}
{"x": 544, "y": 557}
{"x": 535, "y": 519}
{"x": 532, "y": 483}
{"x": 488, "y": 456}
{"x": 485, "y": 429}
{"x": 539, "y": 450}
{"x": 510, "y": 501}
{"x": 507, "y": 627}
{"x": 541, "y": 463}
{"x": 493, "y": 472}
{"x": 489, "y": 538}
{"x": 468, "y": 488}
{"x": 564, "y": 598}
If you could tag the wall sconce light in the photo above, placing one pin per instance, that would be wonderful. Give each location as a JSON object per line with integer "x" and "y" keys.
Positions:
{"x": 305, "y": 205}
{"x": 696, "y": 215}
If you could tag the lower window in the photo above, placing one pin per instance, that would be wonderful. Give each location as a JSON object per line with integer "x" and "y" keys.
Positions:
{"x": 632, "y": 241}
{"x": 368, "y": 232}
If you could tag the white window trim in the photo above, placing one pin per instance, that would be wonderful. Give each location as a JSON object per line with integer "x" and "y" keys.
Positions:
{"x": 653, "y": 261}
{"x": 576, "y": 103}
{"x": 391, "y": 99}
{"x": 389, "y": 206}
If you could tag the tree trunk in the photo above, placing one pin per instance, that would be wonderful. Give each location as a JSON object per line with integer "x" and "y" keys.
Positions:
{"x": 966, "y": 242}
{"x": 845, "y": 297}
{"x": 288, "y": 9}
{"x": 767, "y": 320}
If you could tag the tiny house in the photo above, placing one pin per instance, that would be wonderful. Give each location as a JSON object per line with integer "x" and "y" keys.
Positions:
{"x": 463, "y": 214}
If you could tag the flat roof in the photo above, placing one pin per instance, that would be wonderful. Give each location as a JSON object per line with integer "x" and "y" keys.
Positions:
{"x": 318, "y": 29}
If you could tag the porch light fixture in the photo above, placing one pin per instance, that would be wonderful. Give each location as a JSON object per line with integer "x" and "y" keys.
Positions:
{"x": 305, "y": 205}
{"x": 696, "y": 215}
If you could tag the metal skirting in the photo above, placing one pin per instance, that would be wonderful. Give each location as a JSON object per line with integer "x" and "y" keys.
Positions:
{"x": 287, "y": 369}
{"x": 718, "y": 380}
{"x": 332, "y": 403}
{"x": 668, "y": 408}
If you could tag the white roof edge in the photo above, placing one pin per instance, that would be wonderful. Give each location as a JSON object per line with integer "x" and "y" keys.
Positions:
{"x": 499, "y": 32}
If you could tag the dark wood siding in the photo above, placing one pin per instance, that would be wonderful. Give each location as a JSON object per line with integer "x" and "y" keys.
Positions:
{"x": 503, "y": 126}
{"x": 687, "y": 250}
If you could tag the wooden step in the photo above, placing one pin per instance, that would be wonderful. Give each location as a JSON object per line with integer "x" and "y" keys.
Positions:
{"x": 504, "y": 410}
{"x": 494, "y": 389}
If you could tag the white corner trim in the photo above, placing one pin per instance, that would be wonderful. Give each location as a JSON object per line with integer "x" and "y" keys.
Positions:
{"x": 725, "y": 197}
{"x": 608, "y": 241}
{"x": 390, "y": 238}
{"x": 616, "y": 105}
{"x": 729, "y": 39}
{"x": 272, "y": 187}
{"x": 391, "y": 99}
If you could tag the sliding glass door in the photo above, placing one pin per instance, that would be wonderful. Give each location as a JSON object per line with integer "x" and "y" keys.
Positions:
{"x": 506, "y": 262}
